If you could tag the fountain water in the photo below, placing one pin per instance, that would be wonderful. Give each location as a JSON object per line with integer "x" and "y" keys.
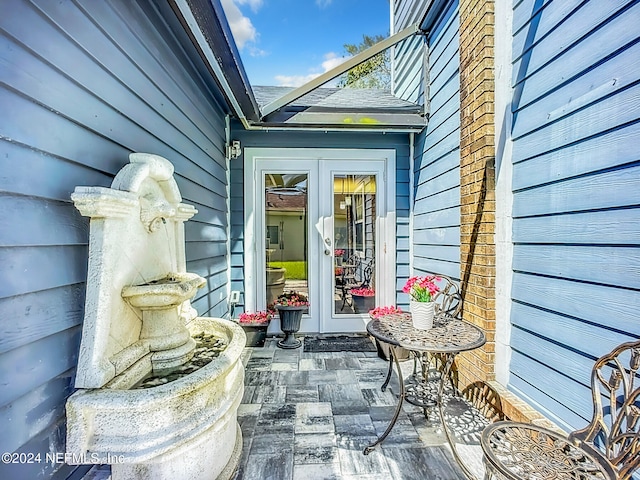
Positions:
{"x": 139, "y": 323}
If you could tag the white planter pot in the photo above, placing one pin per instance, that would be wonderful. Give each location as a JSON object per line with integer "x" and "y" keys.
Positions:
{"x": 422, "y": 314}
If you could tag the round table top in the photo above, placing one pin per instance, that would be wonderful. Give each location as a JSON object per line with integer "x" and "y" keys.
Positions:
{"x": 522, "y": 451}
{"x": 448, "y": 335}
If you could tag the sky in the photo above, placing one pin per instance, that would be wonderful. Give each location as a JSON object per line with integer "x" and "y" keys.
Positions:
{"x": 289, "y": 42}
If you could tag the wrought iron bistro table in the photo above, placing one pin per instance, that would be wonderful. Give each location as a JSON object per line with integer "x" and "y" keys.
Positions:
{"x": 448, "y": 337}
{"x": 521, "y": 451}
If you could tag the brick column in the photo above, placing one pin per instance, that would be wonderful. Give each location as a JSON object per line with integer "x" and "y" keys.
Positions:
{"x": 477, "y": 183}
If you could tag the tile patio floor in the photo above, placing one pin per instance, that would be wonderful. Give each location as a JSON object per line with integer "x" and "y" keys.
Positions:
{"x": 307, "y": 416}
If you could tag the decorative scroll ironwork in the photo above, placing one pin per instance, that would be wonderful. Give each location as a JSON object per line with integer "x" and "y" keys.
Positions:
{"x": 615, "y": 426}
{"x": 520, "y": 451}
{"x": 609, "y": 447}
{"x": 447, "y": 335}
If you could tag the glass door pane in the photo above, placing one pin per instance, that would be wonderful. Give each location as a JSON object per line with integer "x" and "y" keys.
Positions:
{"x": 286, "y": 235}
{"x": 354, "y": 225}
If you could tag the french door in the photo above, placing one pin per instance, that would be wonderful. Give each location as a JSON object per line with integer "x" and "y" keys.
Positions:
{"x": 320, "y": 222}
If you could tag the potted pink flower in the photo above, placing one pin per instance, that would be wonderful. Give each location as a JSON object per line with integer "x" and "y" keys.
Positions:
{"x": 364, "y": 299}
{"x": 421, "y": 291}
{"x": 255, "y": 327}
{"x": 291, "y": 306}
{"x": 383, "y": 348}
{"x": 338, "y": 253}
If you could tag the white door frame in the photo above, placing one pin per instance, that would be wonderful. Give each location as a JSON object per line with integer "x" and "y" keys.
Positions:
{"x": 386, "y": 241}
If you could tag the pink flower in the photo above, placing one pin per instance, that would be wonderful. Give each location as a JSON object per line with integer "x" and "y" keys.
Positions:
{"x": 255, "y": 318}
{"x": 422, "y": 289}
{"x": 380, "y": 311}
{"x": 292, "y": 299}
{"x": 365, "y": 292}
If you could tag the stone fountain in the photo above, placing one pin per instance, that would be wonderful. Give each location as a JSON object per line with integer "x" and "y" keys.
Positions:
{"x": 139, "y": 323}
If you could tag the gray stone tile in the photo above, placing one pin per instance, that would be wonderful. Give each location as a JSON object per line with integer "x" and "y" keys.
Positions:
{"x": 346, "y": 377}
{"x": 246, "y": 409}
{"x": 373, "y": 363}
{"x": 276, "y": 418}
{"x": 302, "y": 393}
{"x": 385, "y": 413}
{"x": 248, "y": 425}
{"x": 321, "y": 471}
{"x": 370, "y": 378}
{"x": 311, "y": 364}
{"x": 284, "y": 367}
{"x": 340, "y": 393}
{"x": 275, "y": 466}
{"x": 318, "y": 377}
{"x": 314, "y": 455}
{"x": 262, "y": 352}
{"x": 287, "y": 356}
{"x": 402, "y": 433}
{"x": 354, "y": 462}
{"x": 344, "y": 363}
{"x": 256, "y": 378}
{"x": 376, "y": 397}
{"x": 315, "y": 448}
{"x": 353, "y": 407}
{"x": 247, "y": 395}
{"x": 314, "y": 418}
{"x": 292, "y": 378}
{"x": 269, "y": 394}
{"x": 259, "y": 364}
{"x": 354, "y": 425}
{"x": 412, "y": 463}
{"x": 269, "y": 443}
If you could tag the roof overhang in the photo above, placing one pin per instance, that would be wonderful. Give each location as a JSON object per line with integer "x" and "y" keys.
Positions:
{"x": 339, "y": 70}
{"x": 206, "y": 25}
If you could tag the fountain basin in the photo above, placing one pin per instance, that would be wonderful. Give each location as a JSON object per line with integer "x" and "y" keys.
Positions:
{"x": 183, "y": 429}
{"x": 166, "y": 292}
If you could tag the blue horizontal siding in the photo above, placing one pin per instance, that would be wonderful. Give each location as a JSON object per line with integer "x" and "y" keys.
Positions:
{"x": 436, "y": 220}
{"x": 81, "y": 86}
{"x": 576, "y": 207}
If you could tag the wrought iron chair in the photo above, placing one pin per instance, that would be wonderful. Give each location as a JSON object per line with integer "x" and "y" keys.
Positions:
{"x": 448, "y": 299}
{"x": 608, "y": 447}
{"x": 356, "y": 274}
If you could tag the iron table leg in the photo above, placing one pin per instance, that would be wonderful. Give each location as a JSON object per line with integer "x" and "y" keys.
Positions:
{"x": 391, "y": 359}
{"x": 380, "y": 439}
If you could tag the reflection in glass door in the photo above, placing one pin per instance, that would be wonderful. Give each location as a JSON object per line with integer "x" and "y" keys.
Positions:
{"x": 354, "y": 232}
{"x": 322, "y": 222}
{"x": 286, "y": 234}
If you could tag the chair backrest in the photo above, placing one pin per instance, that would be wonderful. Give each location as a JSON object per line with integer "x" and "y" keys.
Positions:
{"x": 448, "y": 298}
{"x": 367, "y": 273}
{"x": 615, "y": 426}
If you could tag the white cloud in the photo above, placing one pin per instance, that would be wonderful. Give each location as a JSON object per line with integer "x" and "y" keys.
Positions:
{"x": 331, "y": 60}
{"x": 294, "y": 80}
{"x": 254, "y": 4}
{"x": 323, "y": 3}
{"x": 241, "y": 26}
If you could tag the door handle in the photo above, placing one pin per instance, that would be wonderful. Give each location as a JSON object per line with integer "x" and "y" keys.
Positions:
{"x": 327, "y": 241}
